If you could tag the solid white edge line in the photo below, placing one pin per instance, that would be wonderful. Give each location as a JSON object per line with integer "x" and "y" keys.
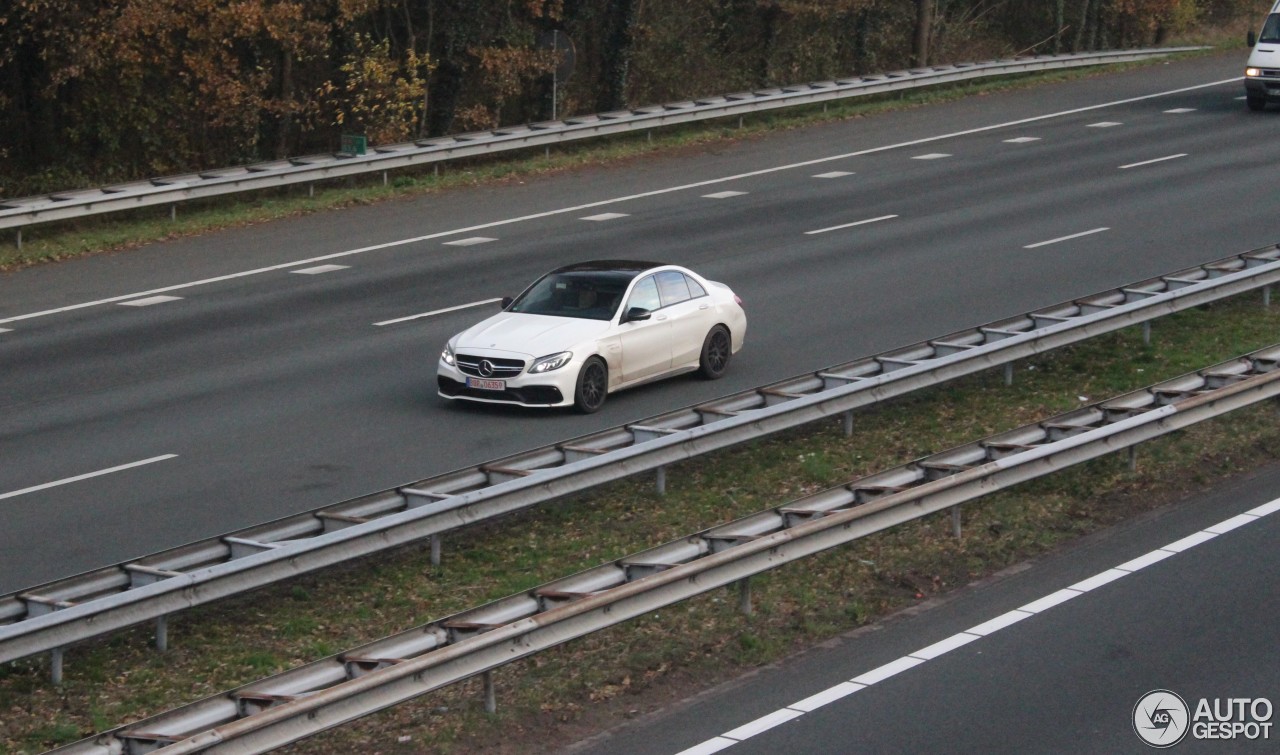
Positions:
{"x": 1230, "y": 524}
{"x": 1065, "y": 238}
{"x": 1266, "y": 508}
{"x": 850, "y": 225}
{"x": 844, "y": 689}
{"x": 1190, "y": 541}
{"x": 826, "y": 696}
{"x": 892, "y": 668}
{"x": 708, "y": 747}
{"x": 1152, "y": 162}
{"x": 763, "y": 723}
{"x": 957, "y": 640}
{"x": 1098, "y": 580}
{"x": 632, "y": 197}
{"x": 87, "y": 476}
{"x": 1051, "y": 600}
{"x": 1145, "y": 560}
{"x": 1000, "y": 622}
{"x": 437, "y": 312}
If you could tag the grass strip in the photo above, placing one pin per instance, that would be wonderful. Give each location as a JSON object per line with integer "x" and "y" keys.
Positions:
{"x": 551, "y": 698}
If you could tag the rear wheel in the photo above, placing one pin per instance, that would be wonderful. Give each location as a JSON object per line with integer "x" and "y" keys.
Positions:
{"x": 1255, "y": 101}
{"x": 593, "y": 386}
{"x": 716, "y": 350}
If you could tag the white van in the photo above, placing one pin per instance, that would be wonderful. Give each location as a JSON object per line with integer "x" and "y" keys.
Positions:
{"x": 1262, "y": 72}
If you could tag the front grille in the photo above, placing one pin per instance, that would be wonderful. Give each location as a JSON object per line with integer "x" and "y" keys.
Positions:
{"x": 501, "y": 368}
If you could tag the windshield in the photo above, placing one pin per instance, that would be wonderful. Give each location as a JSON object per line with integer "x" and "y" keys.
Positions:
{"x": 587, "y": 294}
{"x": 1271, "y": 29}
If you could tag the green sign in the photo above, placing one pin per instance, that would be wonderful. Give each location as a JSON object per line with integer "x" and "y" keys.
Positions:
{"x": 354, "y": 144}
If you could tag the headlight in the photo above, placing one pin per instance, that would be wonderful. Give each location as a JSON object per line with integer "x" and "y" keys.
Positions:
{"x": 1253, "y": 72}
{"x": 553, "y": 362}
{"x": 446, "y": 356}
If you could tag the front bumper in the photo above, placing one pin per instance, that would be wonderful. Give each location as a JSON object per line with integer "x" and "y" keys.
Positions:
{"x": 1267, "y": 85}
{"x": 555, "y": 388}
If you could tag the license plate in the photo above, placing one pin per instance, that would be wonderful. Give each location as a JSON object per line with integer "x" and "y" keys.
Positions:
{"x": 486, "y": 385}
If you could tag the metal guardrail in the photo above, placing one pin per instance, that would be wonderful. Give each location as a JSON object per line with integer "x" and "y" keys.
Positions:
{"x": 295, "y": 704}
{"x": 25, "y": 211}
{"x": 58, "y": 614}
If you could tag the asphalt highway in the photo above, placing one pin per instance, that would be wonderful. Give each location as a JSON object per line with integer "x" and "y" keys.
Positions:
{"x": 189, "y": 388}
{"x": 1050, "y": 657}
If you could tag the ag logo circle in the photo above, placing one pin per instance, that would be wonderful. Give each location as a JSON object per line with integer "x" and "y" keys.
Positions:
{"x": 1160, "y": 718}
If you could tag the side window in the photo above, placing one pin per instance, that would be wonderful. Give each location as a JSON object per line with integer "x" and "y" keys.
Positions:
{"x": 645, "y": 295}
{"x": 672, "y": 286}
{"x": 695, "y": 288}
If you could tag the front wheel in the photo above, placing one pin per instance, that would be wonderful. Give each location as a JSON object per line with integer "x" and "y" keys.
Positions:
{"x": 1256, "y": 102}
{"x": 593, "y": 386}
{"x": 716, "y": 350}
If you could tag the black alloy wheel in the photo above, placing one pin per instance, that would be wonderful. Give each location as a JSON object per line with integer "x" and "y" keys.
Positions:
{"x": 593, "y": 386}
{"x": 716, "y": 350}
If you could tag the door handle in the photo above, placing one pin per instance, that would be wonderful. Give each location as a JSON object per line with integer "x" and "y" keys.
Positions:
{"x": 704, "y": 306}
{"x": 660, "y": 317}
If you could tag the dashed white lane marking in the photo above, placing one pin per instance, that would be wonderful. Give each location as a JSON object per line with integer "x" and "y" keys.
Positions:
{"x": 438, "y": 312}
{"x": 147, "y": 302}
{"x": 6, "y": 330}
{"x": 1022, "y": 140}
{"x": 87, "y": 476}
{"x": 472, "y": 241}
{"x": 606, "y": 216}
{"x": 618, "y": 200}
{"x": 960, "y": 639}
{"x": 931, "y": 156}
{"x": 1105, "y": 124}
{"x": 834, "y": 174}
{"x": 1177, "y": 110}
{"x": 850, "y": 225}
{"x": 317, "y": 270}
{"x": 1065, "y": 238}
{"x": 1152, "y": 162}
{"x": 723, "y": 194}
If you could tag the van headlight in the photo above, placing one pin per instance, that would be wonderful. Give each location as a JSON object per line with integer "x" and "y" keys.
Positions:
{"x": 549, "y": 363}
{"x": 1253, "y": 72}
{"x": 446, "y": 356}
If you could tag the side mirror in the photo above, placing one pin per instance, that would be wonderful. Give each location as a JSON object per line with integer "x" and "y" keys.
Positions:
{"x": 636, "y": 313}
{"x": 506, "y": 302}
{"x": 1251, "y": 39}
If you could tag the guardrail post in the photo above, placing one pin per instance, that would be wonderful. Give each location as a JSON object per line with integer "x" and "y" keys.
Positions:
{"x": 662, "y": 480}
{"x": 55, "y": 665}
{"x": 384, "y": 178}
{"x": 435, "y": 550}
{"x": 173, "y": 212}
{"x": 848, "y": 424}
{"x": 1146, "y": 333}
{"x": 1133, "y": 458}
{"x": 162, "y": 633}
{"x": 955, "y": 522}
{"x": 311, "y": 189}
{"x": 1266, "y": 290}
{"x": 1008, "y": 373}
{"x": 744, "y": 596}
{"x": 19, "y": 239}
{"x": 490, "y": 695}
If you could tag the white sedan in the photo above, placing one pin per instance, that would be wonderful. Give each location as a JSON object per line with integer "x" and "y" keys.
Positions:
{"x": 586, "y": 330}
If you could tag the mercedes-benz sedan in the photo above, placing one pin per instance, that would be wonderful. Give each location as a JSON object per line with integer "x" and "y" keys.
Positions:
{"x": 587, "y": 330}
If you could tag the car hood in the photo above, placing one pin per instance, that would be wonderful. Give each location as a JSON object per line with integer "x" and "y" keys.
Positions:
{"x": 1265, "y": 55}
{"x": 533, "y": 335}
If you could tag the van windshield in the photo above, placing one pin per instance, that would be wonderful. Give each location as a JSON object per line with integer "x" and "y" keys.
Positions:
{"x": 1271, "y": 30}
